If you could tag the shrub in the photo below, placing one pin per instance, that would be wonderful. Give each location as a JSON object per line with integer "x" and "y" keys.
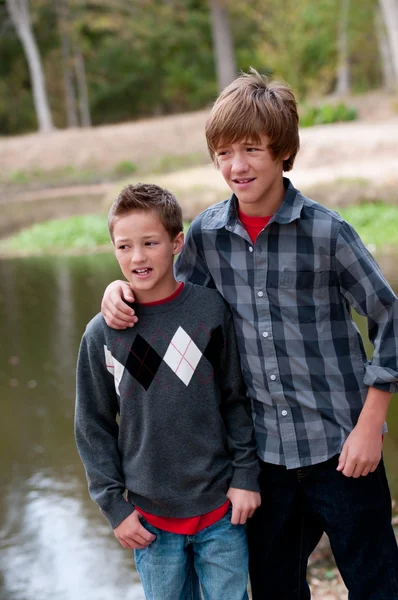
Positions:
{"x": 125, "y": 167}
{"x": 326, "y": 113}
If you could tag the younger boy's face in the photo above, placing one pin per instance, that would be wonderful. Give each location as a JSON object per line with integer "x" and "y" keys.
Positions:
{"x": 145, "y": 253}
{"x": 253, "y": 175}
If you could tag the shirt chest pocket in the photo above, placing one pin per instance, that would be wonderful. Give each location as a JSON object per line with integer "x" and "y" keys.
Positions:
{"x": 303, "y": 296}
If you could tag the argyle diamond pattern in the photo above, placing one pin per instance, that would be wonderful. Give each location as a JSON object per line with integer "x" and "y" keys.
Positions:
{"x": 182, "y": 356}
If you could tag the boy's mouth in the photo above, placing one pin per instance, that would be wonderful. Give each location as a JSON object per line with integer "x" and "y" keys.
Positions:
{"x": 142, "y": 272}
{"x": 246, "y": 180}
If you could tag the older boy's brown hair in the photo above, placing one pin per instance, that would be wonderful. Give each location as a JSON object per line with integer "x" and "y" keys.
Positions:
{"x": 146, "y": 196}
{"x": 250, "y": 106}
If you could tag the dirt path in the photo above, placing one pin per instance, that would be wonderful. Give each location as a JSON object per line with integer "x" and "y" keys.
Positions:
{"x": 349, "y": 151}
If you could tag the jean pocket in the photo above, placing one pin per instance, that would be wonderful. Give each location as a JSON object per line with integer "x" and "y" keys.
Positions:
{"x": 147, "y": 525}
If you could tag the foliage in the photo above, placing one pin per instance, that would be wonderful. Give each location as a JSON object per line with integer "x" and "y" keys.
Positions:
{"x": 84, "y": 233}
{"x": 326, "y": 113}
{"x": 87, "y": 231}
{"x": 153, "y": 57}
{"x": 375, "y": 223}
{"x": 125, "y": 167}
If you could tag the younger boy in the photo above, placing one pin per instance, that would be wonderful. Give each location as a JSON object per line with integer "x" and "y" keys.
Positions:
{"x": 291, "y": 270}
{"x": 162, "y": 412}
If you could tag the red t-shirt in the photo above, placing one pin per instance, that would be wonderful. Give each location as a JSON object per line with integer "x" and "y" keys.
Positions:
{"x": 253, "y": 225}
{"x": 190, "y": 525}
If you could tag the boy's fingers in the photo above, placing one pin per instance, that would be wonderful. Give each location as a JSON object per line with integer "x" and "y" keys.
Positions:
{"x": 140, "y": 539}
{"x": 235, "y": 518}
{"x": 348, "y": 469}
{"x": 342, "y": 459}
{"x": 118, "y": 303}
{"x": 146, "y": 535}
{"x": 240, "y": 516}
{"x": 116, "y": 323}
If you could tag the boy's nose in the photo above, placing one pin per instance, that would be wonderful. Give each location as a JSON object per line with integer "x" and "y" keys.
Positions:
{"x": 138, "y": 256}
{"x": 239, "y": 164}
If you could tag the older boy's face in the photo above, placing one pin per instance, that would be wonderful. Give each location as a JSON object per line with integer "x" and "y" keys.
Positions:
{"x": 145, "y": 253}
{"x": 252, "y": 174}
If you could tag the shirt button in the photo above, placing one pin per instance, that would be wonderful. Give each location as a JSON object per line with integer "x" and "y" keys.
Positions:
{"x": 273, "y": 377}
{"x": 284, "y": 413}
{"x": 265, "y": 333}
{"x": 250, "y": 248}
{"x": 260, "y": 294}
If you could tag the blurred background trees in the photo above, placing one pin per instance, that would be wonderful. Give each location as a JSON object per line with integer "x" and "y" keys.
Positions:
{"x": 106, "y": 61}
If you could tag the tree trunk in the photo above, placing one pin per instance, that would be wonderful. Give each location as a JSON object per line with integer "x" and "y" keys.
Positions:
{"x": 389, "y": 10}
{"x": 19, "y": 13}
{"x": 222, "y": 43}
{"x": 67, "y": 63}
{"x": 84, "y": 106}
{"x": 384, "y": 49}
{"x": 343, "y": 70}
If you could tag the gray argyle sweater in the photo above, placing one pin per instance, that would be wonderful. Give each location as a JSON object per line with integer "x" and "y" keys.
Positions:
{"x": 161, "y": 410}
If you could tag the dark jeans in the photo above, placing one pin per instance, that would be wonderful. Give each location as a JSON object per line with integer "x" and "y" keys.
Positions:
{"x": 297, "y": 507}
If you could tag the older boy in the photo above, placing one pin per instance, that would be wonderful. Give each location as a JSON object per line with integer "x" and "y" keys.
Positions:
{"x": 162, "y": 411}
{"x": 291, "y": 270}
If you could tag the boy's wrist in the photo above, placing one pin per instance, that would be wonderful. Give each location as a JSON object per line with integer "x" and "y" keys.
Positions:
{"x": 374, "y": 411}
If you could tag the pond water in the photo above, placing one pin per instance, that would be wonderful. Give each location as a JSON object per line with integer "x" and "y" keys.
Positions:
{"x": 53, "y": 541}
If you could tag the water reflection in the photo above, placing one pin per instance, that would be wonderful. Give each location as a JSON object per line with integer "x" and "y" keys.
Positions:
{"x": 53, "y": 541}
{"x": 57, "y": 550}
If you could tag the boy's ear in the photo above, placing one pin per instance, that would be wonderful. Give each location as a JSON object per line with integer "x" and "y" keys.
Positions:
{"x": 178, "y": 243}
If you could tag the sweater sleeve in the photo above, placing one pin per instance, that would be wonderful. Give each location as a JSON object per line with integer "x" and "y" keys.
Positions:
{"x": 96, "y": 430}
{"x": 236, "y": 412}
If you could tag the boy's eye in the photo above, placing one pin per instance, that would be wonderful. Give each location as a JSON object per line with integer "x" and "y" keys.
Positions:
{"x": 122, "y": 247}
{"x": 150, "y": 243}
{"x": 222, "y": 152}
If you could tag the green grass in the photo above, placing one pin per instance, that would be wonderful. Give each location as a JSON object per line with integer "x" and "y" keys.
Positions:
{"x": 73, "y": 234}
{"x": 375, "y": 222}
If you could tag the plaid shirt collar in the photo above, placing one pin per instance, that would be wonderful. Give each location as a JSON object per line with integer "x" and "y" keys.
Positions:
{"x": 289, "y": 210}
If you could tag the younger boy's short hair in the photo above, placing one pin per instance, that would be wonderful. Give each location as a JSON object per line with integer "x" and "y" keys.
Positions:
{"x": 147, "y": 196}
{"x": 252, "y": 106}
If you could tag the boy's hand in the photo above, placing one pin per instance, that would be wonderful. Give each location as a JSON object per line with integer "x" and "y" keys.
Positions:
{"x": 131, "y": 534}
{"x": 361, "y": 452}
{"x": 114, "y": 310}
{"x": 244, "y": 503}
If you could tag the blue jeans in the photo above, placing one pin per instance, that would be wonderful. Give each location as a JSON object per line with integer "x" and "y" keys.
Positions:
{"x": 216, "y": 556}
{"x": 297, "y": 507}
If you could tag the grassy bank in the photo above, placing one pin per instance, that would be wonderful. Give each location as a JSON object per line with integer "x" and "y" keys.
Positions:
{"x": 375, "y": 222}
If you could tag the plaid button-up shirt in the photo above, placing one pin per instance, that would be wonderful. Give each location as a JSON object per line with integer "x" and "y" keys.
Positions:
{"x": 290, "y": 292}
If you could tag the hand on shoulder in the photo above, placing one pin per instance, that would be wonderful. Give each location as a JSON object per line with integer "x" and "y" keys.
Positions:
{"x": 114, "y": 308}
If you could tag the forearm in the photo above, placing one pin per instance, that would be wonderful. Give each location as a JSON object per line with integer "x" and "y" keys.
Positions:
{"x": 374, "y": 410}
